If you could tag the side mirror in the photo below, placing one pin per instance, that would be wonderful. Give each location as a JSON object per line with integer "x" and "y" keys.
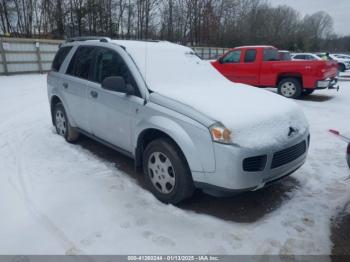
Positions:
{"x": 221, "y": 60}
{"x": 117, "y": 84}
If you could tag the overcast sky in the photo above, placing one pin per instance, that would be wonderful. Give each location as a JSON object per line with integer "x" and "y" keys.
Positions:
{"x": 338, "y": 9}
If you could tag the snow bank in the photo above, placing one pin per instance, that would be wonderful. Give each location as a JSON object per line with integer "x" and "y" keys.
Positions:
{"x": 176, "y": 72}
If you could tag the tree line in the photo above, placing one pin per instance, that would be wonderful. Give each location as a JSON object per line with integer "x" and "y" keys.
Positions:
{"x": 224, "y": 23}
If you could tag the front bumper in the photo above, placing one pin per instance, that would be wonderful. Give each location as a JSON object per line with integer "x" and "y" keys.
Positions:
{"x": 230, "y": 175}
{"x": 328, "y": 83}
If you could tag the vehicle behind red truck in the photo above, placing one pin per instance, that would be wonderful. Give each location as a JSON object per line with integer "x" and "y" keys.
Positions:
{"x": 260, "y": 66}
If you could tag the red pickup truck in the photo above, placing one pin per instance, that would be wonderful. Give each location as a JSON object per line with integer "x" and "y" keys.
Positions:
{"x": 260, "y": 66}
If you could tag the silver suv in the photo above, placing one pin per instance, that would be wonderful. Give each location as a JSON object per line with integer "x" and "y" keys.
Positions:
{"x": 181, "y": 121}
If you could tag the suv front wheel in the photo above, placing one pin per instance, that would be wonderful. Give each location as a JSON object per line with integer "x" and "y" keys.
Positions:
{"x": 167, "y": 173}
{"x": 62, "y": 125}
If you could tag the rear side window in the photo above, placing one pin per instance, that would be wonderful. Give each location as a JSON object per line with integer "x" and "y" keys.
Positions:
{"x": 250, "y": 56}
{"x": 59, "y": 58}
{"x": 81, "y": 63}
{"x": 233, "y": 57}
{"x": 270, "y": 55}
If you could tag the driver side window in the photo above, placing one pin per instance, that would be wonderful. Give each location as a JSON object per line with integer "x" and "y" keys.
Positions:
{"x": 233, "y": 57}
{"x": 109, "y": 63}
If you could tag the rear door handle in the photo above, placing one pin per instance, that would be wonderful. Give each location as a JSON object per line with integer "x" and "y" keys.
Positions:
{"x": 65, "y": 85}
{"x": 94, "y": 94}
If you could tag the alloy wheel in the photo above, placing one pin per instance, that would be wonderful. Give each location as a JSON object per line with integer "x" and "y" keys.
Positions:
{"x": 161, "y": 172}
{"x": 61, "y": 124}
{"x": 288, "y": 89}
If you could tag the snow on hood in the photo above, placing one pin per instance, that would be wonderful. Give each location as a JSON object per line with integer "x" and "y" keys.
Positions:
{"x": 257, "y": 118}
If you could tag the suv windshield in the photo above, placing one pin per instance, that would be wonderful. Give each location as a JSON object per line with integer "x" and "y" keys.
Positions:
{"x": 166, "y": 66}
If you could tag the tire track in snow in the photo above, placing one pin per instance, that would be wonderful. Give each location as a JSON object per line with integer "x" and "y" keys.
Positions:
{"x": 16, "y": 148}
{"x": 16, "y": 113}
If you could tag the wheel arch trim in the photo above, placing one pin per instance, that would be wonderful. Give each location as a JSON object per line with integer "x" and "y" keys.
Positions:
{"x": 296, "y": 76}
{"x": 174, "y": 131}
{"x": 57, "y": 97}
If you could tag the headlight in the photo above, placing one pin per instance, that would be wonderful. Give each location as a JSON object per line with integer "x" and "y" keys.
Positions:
{"x": 220, "y": 134}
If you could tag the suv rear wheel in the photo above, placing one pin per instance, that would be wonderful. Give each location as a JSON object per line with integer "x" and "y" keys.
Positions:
{"x": 62, "y": 125}
{"x": 167, "y": 173}
{"x": 290, "y": 88}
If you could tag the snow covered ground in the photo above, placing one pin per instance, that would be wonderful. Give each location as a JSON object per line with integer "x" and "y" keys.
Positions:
{"x": 58, "y": 198}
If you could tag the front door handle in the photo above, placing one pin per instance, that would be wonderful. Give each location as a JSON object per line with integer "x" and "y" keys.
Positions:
{"x": 65, "y": 85}
{"x": 94, "y": 94}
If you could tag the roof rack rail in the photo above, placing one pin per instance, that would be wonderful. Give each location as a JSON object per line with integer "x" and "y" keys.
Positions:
{"x": 88, "y": 38}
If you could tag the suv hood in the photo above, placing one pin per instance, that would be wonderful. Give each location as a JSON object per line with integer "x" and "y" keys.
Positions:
{"x": 256, "y": 117}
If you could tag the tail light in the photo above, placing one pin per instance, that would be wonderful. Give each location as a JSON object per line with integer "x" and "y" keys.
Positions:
{"x": 348, "y": 150}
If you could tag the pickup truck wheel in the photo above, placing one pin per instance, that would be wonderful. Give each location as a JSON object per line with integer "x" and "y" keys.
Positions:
{"x": 290, "y": 88}
{"x": 62, "y": 125}
{"x": 307, "y": 92}
{"x": 167, "y": 173}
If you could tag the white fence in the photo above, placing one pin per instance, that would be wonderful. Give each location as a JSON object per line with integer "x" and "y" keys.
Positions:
{"x": 21, "y": 56}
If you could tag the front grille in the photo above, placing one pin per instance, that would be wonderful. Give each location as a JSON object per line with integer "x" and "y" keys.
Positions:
{"x": 254, "y": 164}
{"x": 288, "y": 155}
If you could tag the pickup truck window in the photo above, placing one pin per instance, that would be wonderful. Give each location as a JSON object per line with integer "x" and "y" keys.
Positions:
{"x": 250, "y": 56}
{"x": 270, "y": 55}
{"x": 284, "y": 56}
{"x": 232, "y": 57}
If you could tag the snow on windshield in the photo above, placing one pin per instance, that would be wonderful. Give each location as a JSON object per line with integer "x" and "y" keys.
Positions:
{"x": 165, "y": 62}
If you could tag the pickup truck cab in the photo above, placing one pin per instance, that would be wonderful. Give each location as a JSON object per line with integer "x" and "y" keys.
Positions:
{"x": 260, "y": 66}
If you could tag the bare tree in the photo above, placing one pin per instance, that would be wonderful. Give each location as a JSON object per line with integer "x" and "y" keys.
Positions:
{"x": 224, "y": 23}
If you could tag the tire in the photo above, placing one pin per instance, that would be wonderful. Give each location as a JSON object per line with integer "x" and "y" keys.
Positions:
{"x": 307, "y": 92}
{"x": 342, "y": 68}
{"x": 62, "y": 125}
{"x": 290, "y": 88}
{"x": 166, "y": 171}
